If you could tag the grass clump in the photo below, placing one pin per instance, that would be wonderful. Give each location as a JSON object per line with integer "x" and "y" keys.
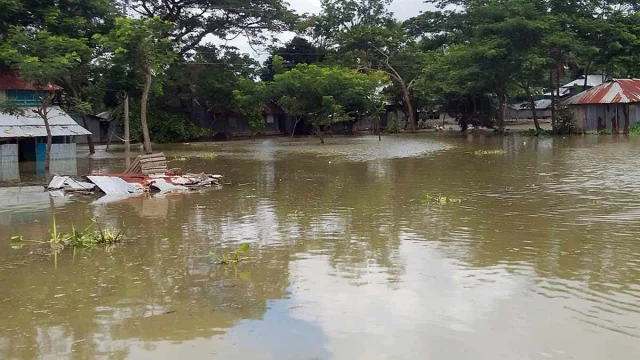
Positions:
{"x": 93, "y": 235}
{"x": 233, "y": 257}
{"x": 635, "y": 129}
{"x": 179, "y": 158}
{"x": 489, "y": 152}
{"x": 209, "y": 155}
{"x": 534, "y": 132}
{"x": 438, "y": 199}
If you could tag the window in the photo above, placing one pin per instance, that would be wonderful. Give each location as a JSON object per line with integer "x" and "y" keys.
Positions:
{"x": 24, "y": 97}
{"x": 269, "y": 119}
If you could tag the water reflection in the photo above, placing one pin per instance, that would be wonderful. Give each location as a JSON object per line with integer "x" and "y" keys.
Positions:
{"x": 350, "y": 264}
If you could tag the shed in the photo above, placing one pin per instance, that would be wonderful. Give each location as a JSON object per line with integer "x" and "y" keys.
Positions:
{"x": 578, "y": 85}
{"x": 613, "y": 106}
{"x": 23, "y": 136}
{"x": 104, "y": 129}
{"x": 523, "y": 110}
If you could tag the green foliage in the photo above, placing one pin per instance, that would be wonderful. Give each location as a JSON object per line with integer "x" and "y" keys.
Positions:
{"x": 635, "y": 129}
{"x": 233, "y": 257}
{"x": 392, "y": 126}
{"x": 534, "y": 132}
{"x": 565, "y": 121}
{"x": 324, "y": 95}
{"x": 250, "y": 98}
{"x": 93, "y": 235}
{"x": 166, "y": 127}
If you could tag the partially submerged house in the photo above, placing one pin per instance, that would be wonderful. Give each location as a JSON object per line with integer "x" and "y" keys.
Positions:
{"x": 23, "y": 136}
{"x": 227, "y": 123}
{"x": 523, "y": 110}
{"x": 104, "y": 129}
{"x": 612, "y": 106}
{"x": 577, "y": 86}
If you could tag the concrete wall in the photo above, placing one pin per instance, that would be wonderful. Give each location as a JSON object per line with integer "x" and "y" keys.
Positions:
{"x": 8, "y": 153}
{"x": 616, "y": 118}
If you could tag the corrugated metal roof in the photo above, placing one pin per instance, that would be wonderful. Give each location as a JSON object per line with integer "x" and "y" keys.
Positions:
{"x": 621, "y": 91}
{"x": 31, "y": 125}
{"x": 541, "y": 104}
{"x": 592, "y": 80}
{"x": 9, "y": 80}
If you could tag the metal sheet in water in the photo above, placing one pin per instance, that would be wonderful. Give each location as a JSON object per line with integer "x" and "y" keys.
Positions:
{"x": 113, "y": 185}
{"x": 57, "y": 182}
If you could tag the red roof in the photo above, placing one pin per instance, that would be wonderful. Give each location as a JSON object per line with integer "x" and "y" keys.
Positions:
{"x": 621, "y": 91}
{"x": 9, "y": 80}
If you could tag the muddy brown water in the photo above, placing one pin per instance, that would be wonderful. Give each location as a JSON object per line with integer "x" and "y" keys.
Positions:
{"x": 540, "y": 259}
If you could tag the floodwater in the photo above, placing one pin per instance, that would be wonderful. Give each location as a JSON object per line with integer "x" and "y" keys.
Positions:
{"x": 539, "y": 260}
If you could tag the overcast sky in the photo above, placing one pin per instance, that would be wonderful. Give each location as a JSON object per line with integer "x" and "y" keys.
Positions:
{"x": 402, "y": 9}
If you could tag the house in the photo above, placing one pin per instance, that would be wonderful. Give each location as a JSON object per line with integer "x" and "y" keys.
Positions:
{"x": 104, "y": 129}
{"x": 576, "y": 86}
{"x": 227, "y": 123}
{"x": 613, "y": 106}
{"x": 23, "y": 136}
{"x": 523, "y": 110}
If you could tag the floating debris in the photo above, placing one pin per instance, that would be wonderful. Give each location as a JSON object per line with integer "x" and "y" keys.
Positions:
{"x": 147, "y": 174}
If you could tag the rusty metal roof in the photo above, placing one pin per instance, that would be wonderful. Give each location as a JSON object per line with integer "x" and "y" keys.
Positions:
{"x": 31, "y": 125}
{"x": 620, "y": 91}
{"x": 9, "y": 80}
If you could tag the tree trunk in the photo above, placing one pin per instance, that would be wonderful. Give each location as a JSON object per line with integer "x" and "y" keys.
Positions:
{"x": 321, "y": 134}
{"x": 586, "y": 76}
{"x": 553, "y": 99}
{"x": 502, "y": 97}
{"x": 294, "y": 126}
{"x": 92, "y": 147}
{"x": 127, "y": 136}
{"x": 143, "y": 111}
{"x": 532, "y": 104}
{"x": 412, "y": 115}
{"x": 557, "y": 88}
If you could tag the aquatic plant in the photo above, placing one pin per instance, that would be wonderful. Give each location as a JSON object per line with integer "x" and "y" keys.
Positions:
{"x": 534, "y": 132}
{"x": 438, "y": 199}
{"x": 179, "y": 158}
{"x": 209, "y": 155}
{"x": 233, "y": 257}
{"x": 489, "y": 152}
{"x": 599, "y": 132}
{"x": 92, "y": 235}
{"x": 635, "y": 129}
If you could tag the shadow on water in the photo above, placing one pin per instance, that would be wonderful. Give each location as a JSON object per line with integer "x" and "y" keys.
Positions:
{"x": 350, "y": 263}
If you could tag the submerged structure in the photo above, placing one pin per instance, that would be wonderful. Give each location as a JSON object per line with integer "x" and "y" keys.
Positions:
{"x": 611, "y": 106}
{"x": 23, "y": 136}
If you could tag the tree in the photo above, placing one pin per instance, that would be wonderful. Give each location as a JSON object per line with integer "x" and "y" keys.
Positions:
{"x": 226, "y": 19}
{"x": 43, "y": 59}
{"x": 297, "y": 51}
{"x": 139, "y": 47}
{"x": 325, "y": 95}
{"x": 250, "y": 97}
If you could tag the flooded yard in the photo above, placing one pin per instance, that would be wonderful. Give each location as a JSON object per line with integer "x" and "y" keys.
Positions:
{"x": 539, "y": 259}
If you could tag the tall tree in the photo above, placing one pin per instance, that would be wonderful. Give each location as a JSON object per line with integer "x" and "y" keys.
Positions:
{"x": 296, "y": 51}
{"x": 139, "y": 46}
{"x": 225, "y": 19}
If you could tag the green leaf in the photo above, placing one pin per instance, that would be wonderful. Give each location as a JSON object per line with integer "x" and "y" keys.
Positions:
{"x": 243, "y": 248}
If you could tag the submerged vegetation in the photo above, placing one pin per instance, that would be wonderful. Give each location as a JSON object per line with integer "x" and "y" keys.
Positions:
{"x": 93, "y": 235}
{"x": 208, "y": 155}
{"x": 489, "y": 152}
{"x": 233, "y": 257}
{"x": 438, "y": 199}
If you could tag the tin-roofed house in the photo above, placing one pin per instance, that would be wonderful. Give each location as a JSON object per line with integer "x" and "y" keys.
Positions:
{"x": 612, "y": 106}
{"x": 23, "y": 135}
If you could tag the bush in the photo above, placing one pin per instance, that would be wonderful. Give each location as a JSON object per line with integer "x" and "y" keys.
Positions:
{"x": 565, "y": 121}
{"x": 635, "y": 129}
{"x": 165, "y": 127}
{"x": 392, "y": 127}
